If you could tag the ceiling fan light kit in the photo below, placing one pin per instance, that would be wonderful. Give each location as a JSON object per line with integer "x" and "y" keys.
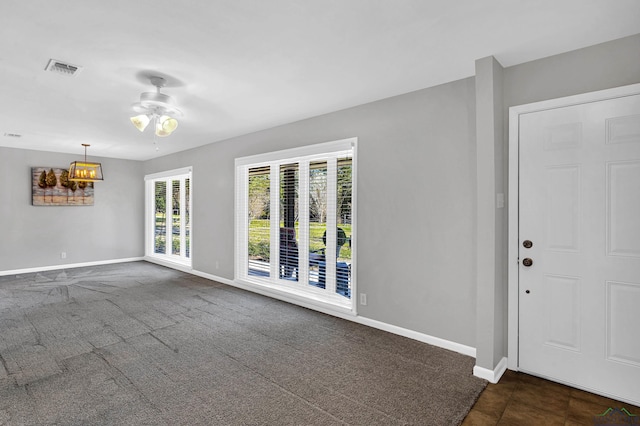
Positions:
{"x": 157, "y": 107}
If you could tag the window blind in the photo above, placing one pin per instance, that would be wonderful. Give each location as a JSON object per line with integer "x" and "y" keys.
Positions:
{"x": 294, "y": 223}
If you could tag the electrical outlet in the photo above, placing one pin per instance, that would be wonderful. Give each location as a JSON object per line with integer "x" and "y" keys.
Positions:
{"x": 217, "y": 265}
{"x": 363, "y": 299}
{"x": 63, "y": 255}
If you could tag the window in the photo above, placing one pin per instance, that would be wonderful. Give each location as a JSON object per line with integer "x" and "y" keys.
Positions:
{"x": 294, "y": 221}
{"x": 168, "y": 218}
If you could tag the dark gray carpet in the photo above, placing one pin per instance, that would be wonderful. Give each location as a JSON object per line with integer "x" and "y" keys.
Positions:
{"x": 139, "y": 344}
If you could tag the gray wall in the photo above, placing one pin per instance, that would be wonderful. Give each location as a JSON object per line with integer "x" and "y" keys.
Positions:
{"x": 416, "y": 203}
{"x": 603, "y": 66}
{"x": 34, "y": 236}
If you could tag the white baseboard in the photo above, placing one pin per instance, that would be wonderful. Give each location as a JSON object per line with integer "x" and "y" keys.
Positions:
{"x": 491, "y": 375}
{"x": 415, "y": 335}
{"x": 213, "y": 277}
{"x": 68, "y": 266}
{"x": 347, "y": 315}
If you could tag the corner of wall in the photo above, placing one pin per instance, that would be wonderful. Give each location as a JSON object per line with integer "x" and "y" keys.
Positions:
{"x": 491, "y": 220}
{"x": 493, "y": 375}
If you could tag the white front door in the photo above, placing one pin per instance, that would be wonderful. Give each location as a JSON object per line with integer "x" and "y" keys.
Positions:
{"x": 579, "y": 195}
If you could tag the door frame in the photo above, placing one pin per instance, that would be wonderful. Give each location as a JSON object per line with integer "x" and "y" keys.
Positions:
{"x": 172, "y": 261}
{"x": 514, "y": 204}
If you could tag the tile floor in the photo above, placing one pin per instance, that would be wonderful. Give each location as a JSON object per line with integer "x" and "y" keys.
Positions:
{"x": 521, "y": 399}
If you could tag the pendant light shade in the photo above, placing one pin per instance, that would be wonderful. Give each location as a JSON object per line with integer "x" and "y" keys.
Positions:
{"x": 165, "y": 125}
{"x": 84, "y": 170}
{"x": 141, "y": 121}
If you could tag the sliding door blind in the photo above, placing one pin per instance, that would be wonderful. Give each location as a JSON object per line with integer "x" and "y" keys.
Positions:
{"x": 160, "y": 217}
{"x": 259, "y": 220}
{"x": 289, "y": 206}
{"x": 344, "y": 231}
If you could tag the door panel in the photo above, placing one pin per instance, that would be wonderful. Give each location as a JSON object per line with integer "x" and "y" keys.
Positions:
{"x": 579, "y": 300}
{"x": 623, "y": 197}
{"x": 623, "y": 300}
{"x": 562, "y": 316}
{"x": 563, "y": 203}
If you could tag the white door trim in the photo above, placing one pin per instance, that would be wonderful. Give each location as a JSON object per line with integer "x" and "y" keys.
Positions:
{"x": 514, "y": 173}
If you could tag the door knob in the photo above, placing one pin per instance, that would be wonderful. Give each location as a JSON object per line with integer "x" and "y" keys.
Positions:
{"x": 527, "y": 261}
{"x": 527, "y": 244}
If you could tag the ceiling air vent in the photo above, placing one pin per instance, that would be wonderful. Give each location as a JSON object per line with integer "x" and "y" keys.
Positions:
{"x": 63, "y": 68}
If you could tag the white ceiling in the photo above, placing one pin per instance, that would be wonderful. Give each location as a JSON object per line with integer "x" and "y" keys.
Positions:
{"x": 238, "y": 66}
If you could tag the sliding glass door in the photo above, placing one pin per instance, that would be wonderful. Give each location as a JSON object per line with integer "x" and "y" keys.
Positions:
{"x": 168, "y": 218}
{"x": 294, "y": 221}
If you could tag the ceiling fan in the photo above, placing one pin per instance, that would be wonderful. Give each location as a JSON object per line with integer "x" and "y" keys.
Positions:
{"x": 158, "y": 108}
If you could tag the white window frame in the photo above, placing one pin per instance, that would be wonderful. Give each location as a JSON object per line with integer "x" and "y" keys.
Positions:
{"x": 330, "y": 152}
{"x": 170, "y": 259}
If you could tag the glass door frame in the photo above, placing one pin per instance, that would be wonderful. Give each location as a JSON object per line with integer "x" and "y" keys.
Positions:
{"x": 169, "y": 176}
{"x": 299, "y": 290}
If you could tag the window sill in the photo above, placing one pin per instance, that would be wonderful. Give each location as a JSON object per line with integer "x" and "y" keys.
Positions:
{"x": 177, "y": 263}
{"x": 322, "y": 302}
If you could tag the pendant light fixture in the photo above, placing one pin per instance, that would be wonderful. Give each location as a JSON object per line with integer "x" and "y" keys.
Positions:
{"x": 156, "y": 108}
{"x": 85, "y": 170}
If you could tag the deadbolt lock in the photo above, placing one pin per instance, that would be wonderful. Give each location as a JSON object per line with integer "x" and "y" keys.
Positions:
{"x": 527, "y": 244}
{"x": 527, "y": 261}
